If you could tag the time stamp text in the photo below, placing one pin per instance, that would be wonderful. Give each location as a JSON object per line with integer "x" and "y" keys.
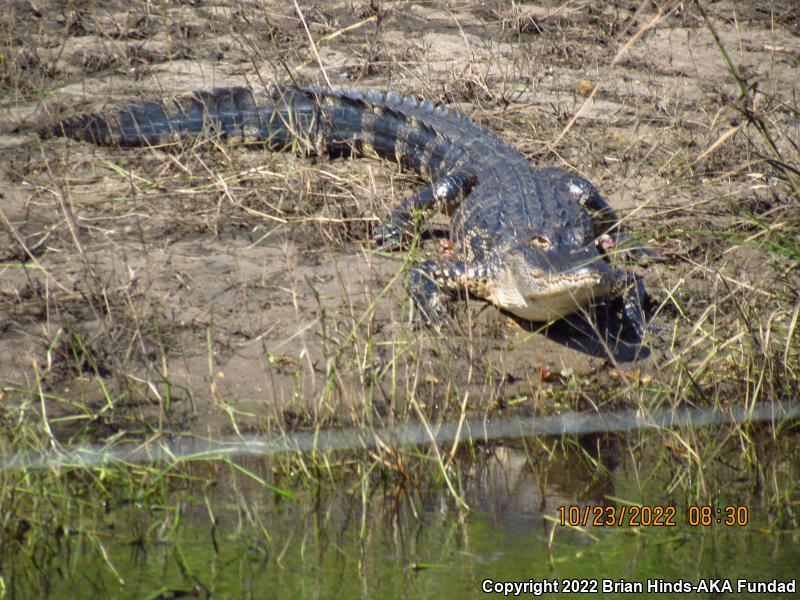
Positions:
{"x": 652, "y": 516}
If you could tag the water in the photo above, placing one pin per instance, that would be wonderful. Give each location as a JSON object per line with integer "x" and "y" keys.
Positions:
{"x": 379, "y": 537}
{"x": 325, "y": 557}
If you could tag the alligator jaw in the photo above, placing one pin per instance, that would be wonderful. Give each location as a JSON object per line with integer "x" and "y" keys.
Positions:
{"x": 554, "y": 297}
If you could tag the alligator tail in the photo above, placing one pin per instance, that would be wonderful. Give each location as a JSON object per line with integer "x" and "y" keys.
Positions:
{"x": 277, "y": 118}
{"x": 311, "y": 120}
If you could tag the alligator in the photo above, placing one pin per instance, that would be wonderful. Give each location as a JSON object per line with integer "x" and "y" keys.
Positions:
{"x": 532, "y": 241}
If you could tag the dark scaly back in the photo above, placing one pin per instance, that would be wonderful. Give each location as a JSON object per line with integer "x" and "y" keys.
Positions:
{"x": 426, "y": 138}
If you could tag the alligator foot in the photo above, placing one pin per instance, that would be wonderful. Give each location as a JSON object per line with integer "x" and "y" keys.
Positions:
{"x": 431, "y": 286}
{"x": 630, "y": 288}
{"x": 429, "y": 297}
{"x": 393, "y": 235}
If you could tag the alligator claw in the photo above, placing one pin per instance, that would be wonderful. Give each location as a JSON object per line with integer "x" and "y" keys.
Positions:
{"x": 429, "y": 298}
{"x": 390, "y": 236}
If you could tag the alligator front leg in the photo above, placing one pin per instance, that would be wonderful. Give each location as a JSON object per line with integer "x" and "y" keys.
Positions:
{"x": 446, "y": 191}
{"x": 431, "y": 287}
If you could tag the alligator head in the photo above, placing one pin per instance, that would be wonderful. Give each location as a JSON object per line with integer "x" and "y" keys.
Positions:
{"x": 546, "y": 278}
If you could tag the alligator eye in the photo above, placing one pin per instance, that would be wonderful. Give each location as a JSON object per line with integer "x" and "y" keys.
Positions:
{"x": 541, "y": 242}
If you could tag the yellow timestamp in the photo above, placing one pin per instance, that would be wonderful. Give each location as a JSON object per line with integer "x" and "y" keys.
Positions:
{"x": 728, "y": 515}
{"x": 651, "y": 515}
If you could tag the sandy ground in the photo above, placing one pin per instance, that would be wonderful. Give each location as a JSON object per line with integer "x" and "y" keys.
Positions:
{"x": 211, "y": 287}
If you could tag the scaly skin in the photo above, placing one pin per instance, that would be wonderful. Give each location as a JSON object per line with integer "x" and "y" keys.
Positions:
{"x": 524, "y": 237}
